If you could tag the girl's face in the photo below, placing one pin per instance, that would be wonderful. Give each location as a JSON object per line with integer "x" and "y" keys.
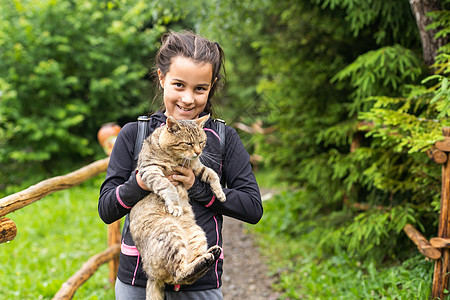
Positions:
{"x": 186, "y": 87}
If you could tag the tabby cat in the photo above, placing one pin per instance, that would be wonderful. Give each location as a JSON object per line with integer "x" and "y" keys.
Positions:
{"x": 172, "y": 246}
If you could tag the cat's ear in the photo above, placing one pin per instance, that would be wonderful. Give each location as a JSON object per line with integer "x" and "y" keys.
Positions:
{"x": 172, "y": 125}
{"x": 201, "y": 121}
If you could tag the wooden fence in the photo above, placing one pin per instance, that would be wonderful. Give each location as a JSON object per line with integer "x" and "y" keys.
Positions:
{"x": 437, "y": 248}
{"x": 11, "y": 203}
{"x": 36, "y": 192}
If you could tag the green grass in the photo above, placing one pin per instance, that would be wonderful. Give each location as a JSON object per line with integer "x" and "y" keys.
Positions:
{"x": 55, "y": 237}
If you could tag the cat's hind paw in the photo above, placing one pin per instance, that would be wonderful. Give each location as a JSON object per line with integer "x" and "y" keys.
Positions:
{"x": 216, "y": 251}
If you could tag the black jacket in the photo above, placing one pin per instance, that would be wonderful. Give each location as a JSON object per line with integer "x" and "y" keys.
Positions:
{"x": 120, "y": 192}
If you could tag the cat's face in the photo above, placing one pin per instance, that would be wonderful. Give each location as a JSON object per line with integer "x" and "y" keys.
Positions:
{"x": 184, "y": 139}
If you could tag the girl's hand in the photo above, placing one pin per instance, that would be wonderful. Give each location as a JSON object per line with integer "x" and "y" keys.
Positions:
{"x": 186, "y": 177}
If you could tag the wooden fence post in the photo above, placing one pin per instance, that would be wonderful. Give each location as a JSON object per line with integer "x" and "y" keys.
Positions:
{"x": 113, "y": 238}
{"x": 440, "y": 278}
{"x": 106, "y": 137}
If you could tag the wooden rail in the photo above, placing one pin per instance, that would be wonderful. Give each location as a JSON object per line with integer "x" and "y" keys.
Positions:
{"x": 11, "y": 203}
{"x": 38, "y": 191}
{"x": 424, "y": 246}
{"x": 69, "y": 287}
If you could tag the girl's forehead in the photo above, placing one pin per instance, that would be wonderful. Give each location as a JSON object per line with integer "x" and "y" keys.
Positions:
{"x": 184, "y": 68}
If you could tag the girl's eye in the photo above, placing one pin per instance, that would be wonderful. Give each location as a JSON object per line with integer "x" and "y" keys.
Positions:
{"x": 178, "y": 85}
{"x": 201, "y": 89}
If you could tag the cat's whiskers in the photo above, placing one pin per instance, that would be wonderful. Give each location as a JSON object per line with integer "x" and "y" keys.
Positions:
{"x": 186, "y": 160}
{"x": 210, "y": 157}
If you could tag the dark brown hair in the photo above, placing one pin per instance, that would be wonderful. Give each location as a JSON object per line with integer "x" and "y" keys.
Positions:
{"x": 190, "y": 45}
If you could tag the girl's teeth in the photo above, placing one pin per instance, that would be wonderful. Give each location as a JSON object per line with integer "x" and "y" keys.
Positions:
{"x": 185, "y": 109}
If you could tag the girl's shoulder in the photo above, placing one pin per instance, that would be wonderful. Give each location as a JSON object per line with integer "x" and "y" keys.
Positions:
{"x": 129, "y": 131}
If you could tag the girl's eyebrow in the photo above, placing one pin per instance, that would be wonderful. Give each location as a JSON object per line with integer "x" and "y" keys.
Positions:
{"x": 205, "y": 85}
{"x": 184, "y": 82}
{"x": 180, "y": 80}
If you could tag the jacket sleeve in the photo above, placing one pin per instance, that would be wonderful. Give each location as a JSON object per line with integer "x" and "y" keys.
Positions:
{"x": 242, "y": 192}
{"x": 120, "y": 190}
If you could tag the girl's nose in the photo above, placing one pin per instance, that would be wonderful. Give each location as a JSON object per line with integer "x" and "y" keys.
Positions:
{"x": 188, "y": 99}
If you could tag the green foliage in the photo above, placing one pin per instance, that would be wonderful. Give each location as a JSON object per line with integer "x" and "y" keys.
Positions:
{"x": 233, "y": 25}
{"x": 391, "y": 19}
{"x": 354, "y": 108}
{"x": 66, "y": 67}
{"x": 56, "y": 236}
{"x": 305, "y": 271}
{"x": 380, "y": 72}
{"x": 341, "y": 82}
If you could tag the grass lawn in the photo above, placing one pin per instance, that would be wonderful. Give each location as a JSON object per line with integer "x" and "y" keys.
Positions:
{"x": 55, "y": 237}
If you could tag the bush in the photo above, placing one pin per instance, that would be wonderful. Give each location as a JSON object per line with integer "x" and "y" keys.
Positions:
{"x": 66, "y": 67}
{"x": 299, "y": 237}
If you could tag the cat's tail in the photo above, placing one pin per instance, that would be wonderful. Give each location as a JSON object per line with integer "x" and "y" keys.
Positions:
{"x": 154, "y": 290}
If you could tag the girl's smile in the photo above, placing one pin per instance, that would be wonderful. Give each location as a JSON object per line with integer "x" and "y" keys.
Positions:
{"x": 186, "y": 87}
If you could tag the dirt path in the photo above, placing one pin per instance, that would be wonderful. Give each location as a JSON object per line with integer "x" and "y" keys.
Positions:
{"x": 245, "y": 275}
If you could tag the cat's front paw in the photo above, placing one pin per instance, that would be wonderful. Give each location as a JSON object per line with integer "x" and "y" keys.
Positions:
{"x": 175, "y": 210}
{"x": 221, "y": 196}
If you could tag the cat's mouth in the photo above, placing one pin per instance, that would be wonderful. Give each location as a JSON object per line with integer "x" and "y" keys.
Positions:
{"x": 185, "y": 109}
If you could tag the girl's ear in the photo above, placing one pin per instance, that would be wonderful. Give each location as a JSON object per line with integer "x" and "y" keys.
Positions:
{"x": 161, "y": 78}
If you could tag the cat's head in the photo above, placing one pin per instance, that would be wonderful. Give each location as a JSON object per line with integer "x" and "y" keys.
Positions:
{"x": 184, "y": 139}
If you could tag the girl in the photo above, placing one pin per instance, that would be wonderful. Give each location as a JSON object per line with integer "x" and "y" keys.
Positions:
{"x": 188, "y": 69}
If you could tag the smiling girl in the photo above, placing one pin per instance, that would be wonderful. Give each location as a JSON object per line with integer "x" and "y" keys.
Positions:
{"x": 188, "y": 71}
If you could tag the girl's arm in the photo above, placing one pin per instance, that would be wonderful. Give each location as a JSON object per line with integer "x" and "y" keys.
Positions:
{"x": 120, "y": 190}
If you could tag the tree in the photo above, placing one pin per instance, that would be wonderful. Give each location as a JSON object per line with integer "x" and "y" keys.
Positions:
{"x": 430, "y": 44}
{"x": 336, "y": 74}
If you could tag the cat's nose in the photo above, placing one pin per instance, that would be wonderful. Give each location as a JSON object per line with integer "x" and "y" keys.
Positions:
{"x": 197, "y": 151}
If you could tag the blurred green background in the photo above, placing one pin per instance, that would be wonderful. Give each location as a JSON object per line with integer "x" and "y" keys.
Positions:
{"x": 342, "y": 103}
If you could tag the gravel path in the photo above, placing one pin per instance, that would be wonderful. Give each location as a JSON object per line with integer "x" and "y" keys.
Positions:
{"x": 245, "y": 275}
